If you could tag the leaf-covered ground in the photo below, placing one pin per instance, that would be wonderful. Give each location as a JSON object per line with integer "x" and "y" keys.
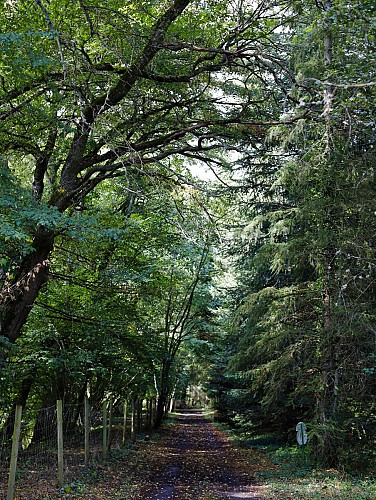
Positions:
{"x": 187, "y": 459}
{"x": 194, "y": 460}
{"x": 191, "y": 458}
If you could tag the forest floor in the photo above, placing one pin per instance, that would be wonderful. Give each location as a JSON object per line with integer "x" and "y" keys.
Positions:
{"x": 188, "y": 459}
{"x": 191, "y": 458}
{"x": 195, "y": 460}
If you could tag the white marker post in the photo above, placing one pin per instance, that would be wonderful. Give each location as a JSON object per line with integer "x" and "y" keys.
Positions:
{"x": 302, "y": 438}
{"x": 301, "y": 433}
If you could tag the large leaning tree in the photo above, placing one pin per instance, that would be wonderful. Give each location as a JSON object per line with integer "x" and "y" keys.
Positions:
{"x": 92, "y": 90}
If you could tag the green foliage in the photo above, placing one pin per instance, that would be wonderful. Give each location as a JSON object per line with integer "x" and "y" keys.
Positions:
{"x": 292, "y": 480}
{"x": 302, "y": 336}
{"x": 116, "y": 275}
{"x": 102, "y": 108}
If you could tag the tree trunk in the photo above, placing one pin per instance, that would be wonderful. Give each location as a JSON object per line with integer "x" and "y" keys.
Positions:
{"x": 133, "y": 420}
{"x": 17, "y": 300}
{"x": 163, "y": 394}
{"x": 139, "y": 415}
{"x": 161, "y": 405}
{"x": 328, "y": 399}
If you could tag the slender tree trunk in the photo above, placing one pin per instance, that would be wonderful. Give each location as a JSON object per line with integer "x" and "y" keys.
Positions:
{"x": 133, "y": 419}
{"x": 125, "y": 410}
{"x": 330, "y": 376}
{"x": 328, "y": 399}
{"x": 149, "y": 413}
{"x": 110, "y": 420}
{"x": 139, "y": 415}
{"x": 163, "y": 393}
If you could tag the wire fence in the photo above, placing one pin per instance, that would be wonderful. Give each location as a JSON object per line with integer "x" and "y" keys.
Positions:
{"x": 87, "y": 435}
{"x": 6, "y": 430}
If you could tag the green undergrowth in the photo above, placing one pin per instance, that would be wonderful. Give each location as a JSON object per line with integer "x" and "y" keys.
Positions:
{"x": 292, "y": 475}
{"x": 289, "y": 472}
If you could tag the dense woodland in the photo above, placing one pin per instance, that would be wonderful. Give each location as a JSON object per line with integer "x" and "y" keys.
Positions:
{"x": 188, "y": 199}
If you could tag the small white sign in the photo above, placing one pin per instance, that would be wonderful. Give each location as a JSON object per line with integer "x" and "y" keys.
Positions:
{"x": 301, "y": 433}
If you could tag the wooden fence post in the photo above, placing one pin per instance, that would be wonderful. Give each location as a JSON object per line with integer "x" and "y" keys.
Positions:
{"x": 110, "y": 417}
{"x": 14, "y": 455}
{"x": 60, "y": 444}
{"x": 124, "y": 438}
{"x": 139, "y": 415}
{"x": 104, "y": 440}
{"x": 87, "y": 429}
{"x": 133, "y": 420}
{"x": 153, "y": 410}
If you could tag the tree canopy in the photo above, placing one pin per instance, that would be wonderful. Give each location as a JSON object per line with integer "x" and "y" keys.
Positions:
{"x": 188, "y": 187}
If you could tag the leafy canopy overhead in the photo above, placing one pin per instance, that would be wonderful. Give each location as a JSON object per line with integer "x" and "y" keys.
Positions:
{"x": 107, "y": 90}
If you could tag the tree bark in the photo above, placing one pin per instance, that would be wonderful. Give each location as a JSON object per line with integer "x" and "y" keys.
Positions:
{"x": 328, "y": 399}
{"x": 17, "y": 300}
{"x": 20, "y": 400}
{"x": 163, "y": 394}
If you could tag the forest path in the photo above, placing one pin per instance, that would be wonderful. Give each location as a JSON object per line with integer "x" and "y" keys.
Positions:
{"x": 192, "y": 459}
{"x": 188, "y": 458}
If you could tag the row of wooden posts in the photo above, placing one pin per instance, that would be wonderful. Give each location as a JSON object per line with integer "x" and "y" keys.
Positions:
{"x": 136, "y": 424}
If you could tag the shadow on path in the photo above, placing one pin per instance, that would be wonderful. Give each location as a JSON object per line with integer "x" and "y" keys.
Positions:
{"x": 194, "y": 460}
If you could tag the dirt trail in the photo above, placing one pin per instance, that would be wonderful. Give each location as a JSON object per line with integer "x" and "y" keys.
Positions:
{"x": 189, "y": 459}
{"x": 194, "y": 460}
